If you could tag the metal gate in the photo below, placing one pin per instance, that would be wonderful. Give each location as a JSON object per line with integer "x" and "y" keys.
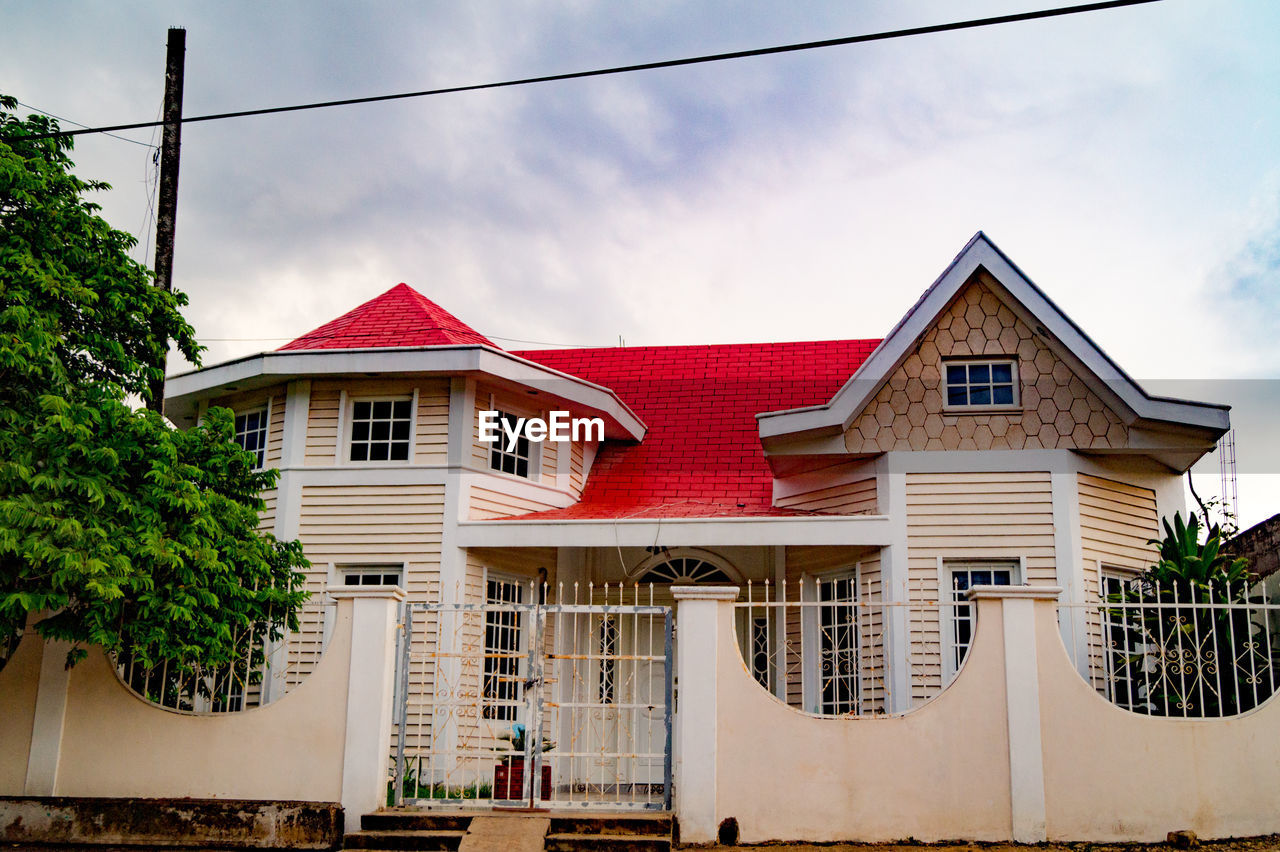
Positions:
{"x": 522, "y": 702}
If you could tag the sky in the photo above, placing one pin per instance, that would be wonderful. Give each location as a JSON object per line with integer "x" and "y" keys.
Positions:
{"x": 1127, "y": 160}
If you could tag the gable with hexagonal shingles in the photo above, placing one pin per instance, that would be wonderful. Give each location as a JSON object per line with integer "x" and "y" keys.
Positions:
{"x": 1058, "y": 409}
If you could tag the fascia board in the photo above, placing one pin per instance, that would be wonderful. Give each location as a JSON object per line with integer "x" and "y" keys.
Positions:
{"x": 840, "y": 412}
{"x": 183, "y": 389}
{"x": 869, "y": 530}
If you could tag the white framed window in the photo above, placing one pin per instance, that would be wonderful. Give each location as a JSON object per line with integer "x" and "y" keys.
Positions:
{"x": 831, "y": 679}
{"x": 502, "y": 687}
{"x": 380, "y": 430}
{"x": 371, "y": 575}
{"x": 1122, "y": 638}
{"x": 251, "y": 434}
{"x": 517, "y": 461}
{"x": 962, "y": 575}
{"x": 980, "y": 384}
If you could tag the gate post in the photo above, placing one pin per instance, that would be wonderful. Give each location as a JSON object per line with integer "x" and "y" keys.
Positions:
{"x": 371, "y": 674}
{"x": 699, "y": 610}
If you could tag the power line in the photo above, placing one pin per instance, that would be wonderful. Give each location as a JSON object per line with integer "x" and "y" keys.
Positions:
{"x": 87, "y": 128}
{"x": 332, "y": 336}
{"x": 644, "y": 66}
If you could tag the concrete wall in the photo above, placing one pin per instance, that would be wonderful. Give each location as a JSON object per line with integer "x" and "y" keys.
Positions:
{"x": 1019, "y": 747}
{"x": 310, "y": 745}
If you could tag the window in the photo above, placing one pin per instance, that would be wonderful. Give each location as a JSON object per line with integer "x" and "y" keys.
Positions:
{"x": 608, "y": 659}
{"x": 838, "y": 646}
{"x": 380, "y": 429}
{"x": 501, "y": 689}
{"x": 965, "y": 576}
{"x": 371, "y": 575}
{"x": 515, "y": 461}
{"x": 976, "y": 384}
{"x": 1123, "y": 638}
{"x": 685, "y": 570}
{"x": 251, "y": 435}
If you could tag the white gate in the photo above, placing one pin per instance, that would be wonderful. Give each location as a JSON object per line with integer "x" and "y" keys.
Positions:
{"x": 522, "y": 702}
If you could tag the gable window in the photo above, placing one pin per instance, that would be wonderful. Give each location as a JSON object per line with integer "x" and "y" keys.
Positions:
{"x": 979, "y": 384}
{"x": 516, "y": 460}
{"x": 251, "y": 435}
{"x": 380, "y": 429}
{"x": 962, "y": 577}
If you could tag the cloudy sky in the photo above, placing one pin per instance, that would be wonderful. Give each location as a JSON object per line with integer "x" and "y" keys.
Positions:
{"x": 1127, "y": 160}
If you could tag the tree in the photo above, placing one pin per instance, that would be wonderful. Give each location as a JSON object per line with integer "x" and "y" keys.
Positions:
{"x": 1186, "y": 634}
{"x": 122, "y": 531}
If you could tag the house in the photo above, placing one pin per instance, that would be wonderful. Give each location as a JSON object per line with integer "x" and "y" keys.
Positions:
{"x": 821, "y": 591}
{"x": 985, "y": 440}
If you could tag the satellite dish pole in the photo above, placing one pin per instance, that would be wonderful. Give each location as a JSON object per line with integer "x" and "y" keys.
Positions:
{"x": 167, "y": 204}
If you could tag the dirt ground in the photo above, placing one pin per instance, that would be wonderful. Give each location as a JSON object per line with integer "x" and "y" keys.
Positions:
{"x": 1250, "y": 844}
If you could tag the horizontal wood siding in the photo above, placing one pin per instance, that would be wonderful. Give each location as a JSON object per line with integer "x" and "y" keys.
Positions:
{"x": 322, "y": 424}
{"x": 1116, "y": 522}
{"x": 975, "y": 516}
{"x": 850, "y": 498}
{"x": 431, "y": 438}
{"x": 576, "y": 468}
{"x": 488, "y": 503}
{"x": 275, "y": 429}
{"x": 355, "y": 525}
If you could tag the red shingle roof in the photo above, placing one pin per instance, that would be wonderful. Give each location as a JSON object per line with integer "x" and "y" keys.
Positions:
{"x": 701, "y": 456}
{"x": 399, "y": 317}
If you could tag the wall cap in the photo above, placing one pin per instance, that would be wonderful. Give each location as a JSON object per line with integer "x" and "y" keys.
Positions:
{"x": 388, "y": 592}
{"x": 705, "y": 593}
{"x": 1038, "y": 593}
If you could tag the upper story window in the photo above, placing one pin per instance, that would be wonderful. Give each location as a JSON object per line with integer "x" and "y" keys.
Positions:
{"x": 251, "y": 435}
{"x": 380, "y": 429}
{"x": 978, "y": 384}
{"x": 516, "y": 460}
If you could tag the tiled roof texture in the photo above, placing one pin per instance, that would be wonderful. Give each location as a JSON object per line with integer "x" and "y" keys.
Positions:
{"x": 399, "y": 317}
{"x": 701, "y": 456}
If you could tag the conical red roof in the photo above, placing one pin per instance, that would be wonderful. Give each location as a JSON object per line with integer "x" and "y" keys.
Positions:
{"x": 399, "y": 317}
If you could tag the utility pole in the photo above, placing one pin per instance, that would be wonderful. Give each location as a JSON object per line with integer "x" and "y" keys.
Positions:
{"x": 167, "y": 206}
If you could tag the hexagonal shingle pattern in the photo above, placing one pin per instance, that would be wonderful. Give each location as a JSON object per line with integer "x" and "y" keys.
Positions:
{"x": 1058, "y": 410}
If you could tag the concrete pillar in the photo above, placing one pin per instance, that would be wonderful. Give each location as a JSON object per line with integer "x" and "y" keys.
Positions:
{"x": 51, "y": 711}
{"x": 373, "y": 612}
{"x": 1022, "y": 700}
{"x": 698, "y": 613}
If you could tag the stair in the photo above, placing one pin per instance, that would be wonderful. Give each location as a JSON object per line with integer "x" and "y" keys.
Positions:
{"x": 620, "y": 832}
{"x": 405, "y": 829}
{"x": 409, "y": 830}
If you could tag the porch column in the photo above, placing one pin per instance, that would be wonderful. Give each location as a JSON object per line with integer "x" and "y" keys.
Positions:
{"x": 373, "y": 611}
{"x": 698, "y": 613}
{"x": 1022, "y": 700}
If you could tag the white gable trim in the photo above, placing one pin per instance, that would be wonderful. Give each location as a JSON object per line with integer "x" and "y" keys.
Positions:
{"x": 184, "y": 390}
{"x": 838, "y": 415}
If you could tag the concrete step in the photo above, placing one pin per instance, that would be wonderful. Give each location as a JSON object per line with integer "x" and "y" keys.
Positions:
{"x": 648, "y": 825}
{"x": 430, "y": 840}
{"x": 409, "y": 820}
{"x": 612, "y": 842}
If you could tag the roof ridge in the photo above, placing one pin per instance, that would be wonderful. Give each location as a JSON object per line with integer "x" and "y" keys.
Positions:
{"x": 400, "y": 316}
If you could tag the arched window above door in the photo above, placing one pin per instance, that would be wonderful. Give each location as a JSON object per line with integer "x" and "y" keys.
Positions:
{"x": 683, "y": 570}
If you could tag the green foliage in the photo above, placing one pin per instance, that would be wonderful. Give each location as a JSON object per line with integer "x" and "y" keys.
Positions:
{"x": 1188, "y": 638}
{"x": 125, "y": 532}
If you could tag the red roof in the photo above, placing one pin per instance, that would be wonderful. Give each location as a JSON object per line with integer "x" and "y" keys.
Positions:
{"x": 701, "y": 456}
{"x": 399, "y": 317}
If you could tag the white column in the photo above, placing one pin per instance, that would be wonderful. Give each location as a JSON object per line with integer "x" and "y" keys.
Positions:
{"x": 891, "y": 493}
{"x": 1069, "y": 561}
{"x": 51, "y": 711}
{"x": 698, "y": 613}
{"x": 373, "y": 611}
{"x": 1022, "y": 698}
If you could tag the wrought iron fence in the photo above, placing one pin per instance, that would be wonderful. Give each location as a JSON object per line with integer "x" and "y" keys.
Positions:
{"x": 1167, "y": 652}
{"x": 263, "y": 671}
{"x": 825, "y": 645}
